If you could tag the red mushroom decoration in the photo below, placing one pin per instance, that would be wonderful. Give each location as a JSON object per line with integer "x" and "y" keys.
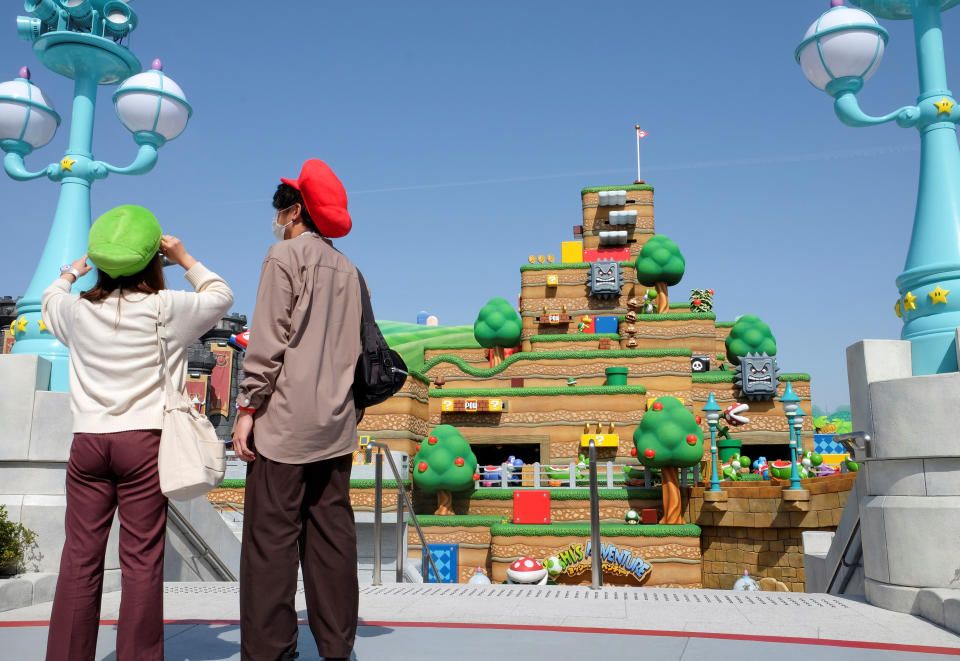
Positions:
{"x": 526, "y": 570}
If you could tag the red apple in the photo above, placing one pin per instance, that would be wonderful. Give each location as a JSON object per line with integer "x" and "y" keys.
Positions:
{"x": 657, "y": 406}
{"x": 692, "y": 439}
{"x": 649, "y": 453}
{"x": 422, "y": 466}
{"x": 432, "y": 440}
{"x": 458, "y": 461}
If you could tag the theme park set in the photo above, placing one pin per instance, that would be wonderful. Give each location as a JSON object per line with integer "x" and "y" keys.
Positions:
{"x": 603, "y": 401}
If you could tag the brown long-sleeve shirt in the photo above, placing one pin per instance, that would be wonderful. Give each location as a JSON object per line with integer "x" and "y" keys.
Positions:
{"x": 304, "y": 345}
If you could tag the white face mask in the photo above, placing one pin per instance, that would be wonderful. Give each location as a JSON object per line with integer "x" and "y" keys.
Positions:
{"x": 278, "y": 229}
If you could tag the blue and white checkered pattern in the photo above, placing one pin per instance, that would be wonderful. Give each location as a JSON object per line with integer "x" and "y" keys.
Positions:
{"x": 824, "y": 444}
{"x": 445, "y": 558}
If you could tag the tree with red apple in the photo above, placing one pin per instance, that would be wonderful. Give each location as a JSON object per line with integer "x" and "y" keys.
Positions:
{"x": 444, "y": 464}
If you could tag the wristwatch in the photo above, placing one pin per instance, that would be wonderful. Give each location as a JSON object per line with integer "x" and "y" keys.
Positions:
{"x": 67, "y": 268}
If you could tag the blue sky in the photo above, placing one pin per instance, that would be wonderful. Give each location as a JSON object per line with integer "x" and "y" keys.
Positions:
{"x": 464, "y": 132}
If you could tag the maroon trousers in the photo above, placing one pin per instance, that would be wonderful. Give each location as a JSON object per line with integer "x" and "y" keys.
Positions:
{"x": 298, "y": 514}
{"x": 107, "y": 470}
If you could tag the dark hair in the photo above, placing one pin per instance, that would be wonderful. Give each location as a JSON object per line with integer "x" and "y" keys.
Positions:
{"x": 147, "y": 281}
{"x": 287, "y": 196}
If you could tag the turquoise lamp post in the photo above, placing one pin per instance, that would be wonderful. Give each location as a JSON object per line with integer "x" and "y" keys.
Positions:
{"x": 791, "y": 406}
{"x": 713, "y": 416}
{"x": 840, "y": 51}
{"x": 82, "y": 40}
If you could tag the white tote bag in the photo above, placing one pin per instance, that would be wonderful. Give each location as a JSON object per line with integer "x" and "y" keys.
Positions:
{"x": 192, "y": 459}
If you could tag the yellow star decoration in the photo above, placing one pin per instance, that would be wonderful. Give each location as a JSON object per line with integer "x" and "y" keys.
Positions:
{"x": 938, "y": 295}
{"x": 22, "y": 324}
{"x": 896, "y": 308}
{"x": 13, "y": 327}
{"x": 42, "y": 325}
{"x": 909, "y": 302}
{"x": 67, "y": 164}
{"x": 944, "y": 105}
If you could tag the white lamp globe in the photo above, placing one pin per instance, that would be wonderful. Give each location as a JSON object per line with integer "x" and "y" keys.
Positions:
{"x": 844, "y": 42}
{"x": 151, "y": 101}
{"x": 26, "y": 113}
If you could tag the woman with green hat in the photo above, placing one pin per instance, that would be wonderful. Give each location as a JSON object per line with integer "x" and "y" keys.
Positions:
{"x": 117, "y": 405}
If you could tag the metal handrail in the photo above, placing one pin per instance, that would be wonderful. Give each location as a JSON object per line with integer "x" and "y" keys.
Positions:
{"x": 851, "y": 566}
{"x": 596, "y": 580}
{"x": 219, "y": 567}
{"x": 402, "y": 501}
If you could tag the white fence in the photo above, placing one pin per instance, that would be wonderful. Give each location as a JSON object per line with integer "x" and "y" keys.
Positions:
{"x": 573, "y": 475}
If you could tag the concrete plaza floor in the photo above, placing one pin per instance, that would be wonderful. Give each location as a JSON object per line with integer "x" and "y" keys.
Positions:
{"x": 466, "y": 622}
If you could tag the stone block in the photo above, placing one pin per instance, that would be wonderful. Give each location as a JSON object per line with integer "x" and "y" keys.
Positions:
{"x": 23, "y": 477}
{"x": 764, "y": 505}
{"x": 768, "y": 559}
{"x": 894, "y": 477}
{"x": 942, "y": 476}
{"x": 892, "y": 597}
{"x": 13, "y": 504}
{"x": 20, "y": 377}
{"x": 15, "y": 593}
{"x": 44, "y": 586}
{"x": 770, "y": 534}
{"x": 931, "y": 604}
{"x": 869, "y": 361}
{"x": 876, "y": 566}
{"x": 776, "y": 546}
{"x": 738, "y": 505}
{"x": 44, "y": 515}
{"x": 921, "y": 539}
{"x": 951, "y": 613}
{"x": 928, "y": 429}
{"x": 51, "y": 432}
{"x": 750, "y": 557}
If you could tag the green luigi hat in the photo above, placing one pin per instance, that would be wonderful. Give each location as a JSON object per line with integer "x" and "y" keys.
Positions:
{"x": 124, "y": 240}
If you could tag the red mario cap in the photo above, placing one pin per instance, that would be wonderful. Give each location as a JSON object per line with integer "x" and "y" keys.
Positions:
{"x": 325, "y": 198}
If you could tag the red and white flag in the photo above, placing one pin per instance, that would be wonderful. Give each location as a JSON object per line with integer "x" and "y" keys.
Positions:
{"x": 641, "y": 134}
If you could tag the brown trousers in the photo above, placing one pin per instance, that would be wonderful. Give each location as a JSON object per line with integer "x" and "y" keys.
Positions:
{"x": 104, "y": 471}
{"x": 298, "y": 512}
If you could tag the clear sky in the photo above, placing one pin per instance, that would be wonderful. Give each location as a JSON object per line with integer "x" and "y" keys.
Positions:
{"x": 464, "y": 132}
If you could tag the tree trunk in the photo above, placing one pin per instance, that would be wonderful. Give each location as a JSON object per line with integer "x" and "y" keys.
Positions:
{"x": 663, "y": 302}
{"x": 445, "y": 503}
{"x": 496, "y": 356}
{"x": 671, "y": 496}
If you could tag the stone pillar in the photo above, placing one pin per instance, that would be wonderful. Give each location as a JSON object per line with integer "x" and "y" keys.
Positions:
{"x": 910, "y": 510}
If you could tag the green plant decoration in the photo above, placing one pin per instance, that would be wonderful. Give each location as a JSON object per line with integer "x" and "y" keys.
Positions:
{"x": 660, "y": 264}
{"x": 749, "y": 335}
{"x": 444, "y": 464}
{"x": 497, "y": 326}
{"x": 701, "y": 300}
{"x": 14, "y": 541}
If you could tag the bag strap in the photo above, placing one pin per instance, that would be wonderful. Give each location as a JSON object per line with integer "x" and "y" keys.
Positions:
{"x": 366, "y": 315}
{"x": 162, "y": 335}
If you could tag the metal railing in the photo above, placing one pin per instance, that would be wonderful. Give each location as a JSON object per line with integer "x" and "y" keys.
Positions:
{"x": 402, "y": 502}
{"x": 196, "y": 540}
{"x": 596, "y": 579}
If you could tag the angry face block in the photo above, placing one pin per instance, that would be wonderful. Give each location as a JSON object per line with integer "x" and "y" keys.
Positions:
{"x": 757, "y": 376}
{"x": 604, "y": 279}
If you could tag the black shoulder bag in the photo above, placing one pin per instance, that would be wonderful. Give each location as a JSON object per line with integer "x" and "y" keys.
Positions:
{"x": 380, "y": 370}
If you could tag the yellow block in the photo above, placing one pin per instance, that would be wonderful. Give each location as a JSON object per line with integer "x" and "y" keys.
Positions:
{"x": 835, "y": 459}
{"x": 651, "y": 400}
{"x": 601, "y": 440}
{"x": 553, "y": 280}
{"x": 571, "y": 251}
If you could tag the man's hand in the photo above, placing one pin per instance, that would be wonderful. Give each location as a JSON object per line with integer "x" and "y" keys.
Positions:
{"x": 173, "y": 249}
{"x": 241, "y": 436}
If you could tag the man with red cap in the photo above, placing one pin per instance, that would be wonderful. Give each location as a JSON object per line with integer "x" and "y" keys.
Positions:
{"x": 297, "y": 428}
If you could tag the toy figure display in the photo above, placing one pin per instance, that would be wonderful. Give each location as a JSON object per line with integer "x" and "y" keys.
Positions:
{"x": 760, "y": 467}
{"x": 806, "y": 466}
{"x": 527, "y": 570}
{"x": 604, "y": 279}
{"x": 731, "y": 470}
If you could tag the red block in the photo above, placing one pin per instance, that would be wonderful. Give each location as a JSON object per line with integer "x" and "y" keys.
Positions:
{"x": 648, "y": 516}
{"x": 531, "y": 507}
{"x": 597, "y": 254}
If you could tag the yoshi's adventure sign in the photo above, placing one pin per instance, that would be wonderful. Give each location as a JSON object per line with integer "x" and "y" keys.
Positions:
{"x": 621, "y": 562}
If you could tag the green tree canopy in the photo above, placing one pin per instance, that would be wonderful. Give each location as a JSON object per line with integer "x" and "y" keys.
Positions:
{"x": 444, "y": 461}
{"x": 497, "y": 325}
{"x": 668, "y": 435}
{"x": 749, "y": 335}
{"x": 660, "y": 260}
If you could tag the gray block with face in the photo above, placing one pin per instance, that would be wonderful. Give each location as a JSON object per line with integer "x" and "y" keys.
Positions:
{"x": 605, "y": 279}
{"x": 757, "y": 376}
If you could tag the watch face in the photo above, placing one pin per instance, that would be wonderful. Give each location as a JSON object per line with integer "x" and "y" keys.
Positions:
{"x": 65, "y": 268}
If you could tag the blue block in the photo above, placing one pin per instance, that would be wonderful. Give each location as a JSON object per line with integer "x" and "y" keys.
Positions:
{"x": 605, "y": 324}
{"x": 824, "y": 444}
{"x": 445, "y": 558}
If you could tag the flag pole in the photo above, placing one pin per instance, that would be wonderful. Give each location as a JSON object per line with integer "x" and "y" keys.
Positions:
{"x": 638, "y": 151}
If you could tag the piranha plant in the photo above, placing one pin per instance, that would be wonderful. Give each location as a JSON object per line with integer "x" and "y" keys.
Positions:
{"x": 497, "y": 327}
{"x": 444, "y": 464}
{"x": 668, "y": 438}
{"x": 701, "y": 300}
{"x": 660, "y": 264}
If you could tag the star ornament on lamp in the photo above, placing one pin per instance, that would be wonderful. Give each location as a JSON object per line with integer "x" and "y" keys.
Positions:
{"x": 840, "y": 51}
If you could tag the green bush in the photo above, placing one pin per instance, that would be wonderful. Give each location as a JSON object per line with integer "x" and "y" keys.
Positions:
{"x": 14, "y": 540}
